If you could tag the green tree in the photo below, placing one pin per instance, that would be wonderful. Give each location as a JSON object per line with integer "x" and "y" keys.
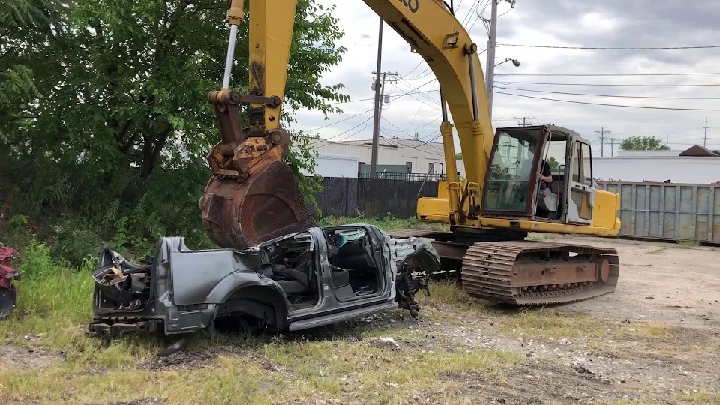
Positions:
{"x": 119, "y": 127}
{"x": 643, "y": 143}
{"x": 21, "y": 22}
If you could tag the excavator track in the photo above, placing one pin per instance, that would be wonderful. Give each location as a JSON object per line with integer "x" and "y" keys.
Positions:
{"x": 528, "y": 273}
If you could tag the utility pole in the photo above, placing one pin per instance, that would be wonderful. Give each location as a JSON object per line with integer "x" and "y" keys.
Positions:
{"x": 705, "y": 138}
{"x": 612, "y": 147}
{"x": 525, "y": 121}
{"x": 491, "y": 43}
{"x": 602, "y": 133}
{"x": 379, "y": 87}
{"x": 376, "y": 127}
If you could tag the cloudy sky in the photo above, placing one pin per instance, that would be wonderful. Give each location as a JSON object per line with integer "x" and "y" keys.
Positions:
{"x": 577, "y": 23}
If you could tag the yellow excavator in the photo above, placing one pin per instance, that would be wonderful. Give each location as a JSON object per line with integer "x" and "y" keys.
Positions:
{"x": 518, "y": 180}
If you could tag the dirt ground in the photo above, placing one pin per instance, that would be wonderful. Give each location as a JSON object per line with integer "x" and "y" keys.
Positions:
{"x": 661, "y": 282}
{"x": 656, "y": 339}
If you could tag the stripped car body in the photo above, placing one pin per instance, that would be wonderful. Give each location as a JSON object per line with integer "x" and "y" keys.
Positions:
{"x": 297, "y": 281}
{"x": 8, "y": 291}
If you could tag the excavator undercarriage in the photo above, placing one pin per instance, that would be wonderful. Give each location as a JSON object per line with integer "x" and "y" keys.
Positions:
{"x": 501, "y": 266}
{"x": 538, "y": 273}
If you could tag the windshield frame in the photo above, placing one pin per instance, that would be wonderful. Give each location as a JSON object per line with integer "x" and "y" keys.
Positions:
{"x": 543, "y": 135}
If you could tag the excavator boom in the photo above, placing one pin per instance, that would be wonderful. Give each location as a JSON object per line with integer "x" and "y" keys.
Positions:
{"x": 254, "y": 197}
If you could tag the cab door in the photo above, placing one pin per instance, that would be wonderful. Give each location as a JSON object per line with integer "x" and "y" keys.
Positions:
{"x": 580, "y": 191}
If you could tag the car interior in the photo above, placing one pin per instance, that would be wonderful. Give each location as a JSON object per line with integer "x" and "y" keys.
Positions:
{"x": 350, "y": 253}
{"x": 291, "y": 262}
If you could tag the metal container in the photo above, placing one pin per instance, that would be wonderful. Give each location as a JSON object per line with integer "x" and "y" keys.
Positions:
{"x": 668, "y": 211}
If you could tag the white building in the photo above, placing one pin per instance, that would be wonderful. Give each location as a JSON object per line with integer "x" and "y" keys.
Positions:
{"x": 696, "y": 165}
{"x": 333, "y": 165}
{"x": 394, "y": 155}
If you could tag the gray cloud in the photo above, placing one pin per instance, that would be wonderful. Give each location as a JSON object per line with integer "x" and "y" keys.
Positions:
{"x": 610, "y": 23}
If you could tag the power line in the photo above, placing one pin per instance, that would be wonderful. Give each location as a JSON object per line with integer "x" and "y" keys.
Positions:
{"x": 608, "y": 95}
{"x": 614, "y": 85}
{"x": 610, "y": 74}
{"x": 613, "y": 48}
{"x": 342, "y": 120}
{"x": 606, "y": 104}
{"x": 415, "y": 68}
{"x": 478, "y": 16}
{"x": 346, "y": 131}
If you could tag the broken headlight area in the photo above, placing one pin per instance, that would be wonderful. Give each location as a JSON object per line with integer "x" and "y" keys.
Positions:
{"x": 413, "y": 274}
{"x": 122, "y": 285}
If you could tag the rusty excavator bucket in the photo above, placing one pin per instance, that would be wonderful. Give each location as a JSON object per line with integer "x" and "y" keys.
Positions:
{"x": 253, "y": 196}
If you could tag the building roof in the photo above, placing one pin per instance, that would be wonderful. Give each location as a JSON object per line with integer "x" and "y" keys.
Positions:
{"x": 399, "y": 143}
{"x": 699, "y": 151}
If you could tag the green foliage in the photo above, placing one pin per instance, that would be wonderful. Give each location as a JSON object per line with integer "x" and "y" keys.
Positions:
{"x": 36, "y": 262}
{"x": 387, "y": 223}
{"x": 554, "y": 164}
{"x": 301, "y": 159}
{"x": 643, "y": 143}
{"x": 103, "y": 112}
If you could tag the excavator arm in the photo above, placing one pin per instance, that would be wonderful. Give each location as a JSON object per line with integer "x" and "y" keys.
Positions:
{"x": 253, "y": 196}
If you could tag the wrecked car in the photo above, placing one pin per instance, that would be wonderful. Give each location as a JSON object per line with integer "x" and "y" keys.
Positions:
{"x": 298, "y": 281}
{"x": 8, "y": 293}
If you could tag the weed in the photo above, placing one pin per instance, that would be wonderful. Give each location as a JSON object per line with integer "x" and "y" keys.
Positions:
{"x": 699, "y": 397}
{"x": 687, "y": 244}
{"x": 387, "y": 223}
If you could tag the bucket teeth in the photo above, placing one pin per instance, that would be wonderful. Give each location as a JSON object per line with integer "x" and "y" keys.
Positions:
{"x": 538, "y": 273}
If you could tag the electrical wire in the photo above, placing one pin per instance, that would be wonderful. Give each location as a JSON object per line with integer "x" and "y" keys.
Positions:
{"x": 607, "y": 74}
{"x": 612, "y": 85}
{"x": 473, "y": 8}
{"x": 342, "y": 120}
{"x": 612, "y": 48}
{"x": 478, "y": 16}
{"x": 415, "y": 68}
{"x": 344, "y": 132}
{"x": 606, "y": 104}
{"x": 434, "y": 104}
{"x": 608, "y": 95}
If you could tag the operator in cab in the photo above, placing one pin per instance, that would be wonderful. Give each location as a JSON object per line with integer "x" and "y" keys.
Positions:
{"x": 545, "y": 181}
{"x": 546, "y": 174}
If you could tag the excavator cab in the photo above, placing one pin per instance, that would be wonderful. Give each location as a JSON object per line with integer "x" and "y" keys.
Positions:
{"x": 521, "y": 156}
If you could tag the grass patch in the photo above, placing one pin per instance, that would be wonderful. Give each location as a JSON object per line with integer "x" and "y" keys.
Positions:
{"x": 379, "y": 375}
{"x": 687, "y": 244}
{"x": 53, "y": 310}
{"x": 537, "y": 236}
{"x": 225, "y": 380}
{"x": 269, "y": 371}
{"x": 699, "y": 397}
{"x": 386, "y": 224}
